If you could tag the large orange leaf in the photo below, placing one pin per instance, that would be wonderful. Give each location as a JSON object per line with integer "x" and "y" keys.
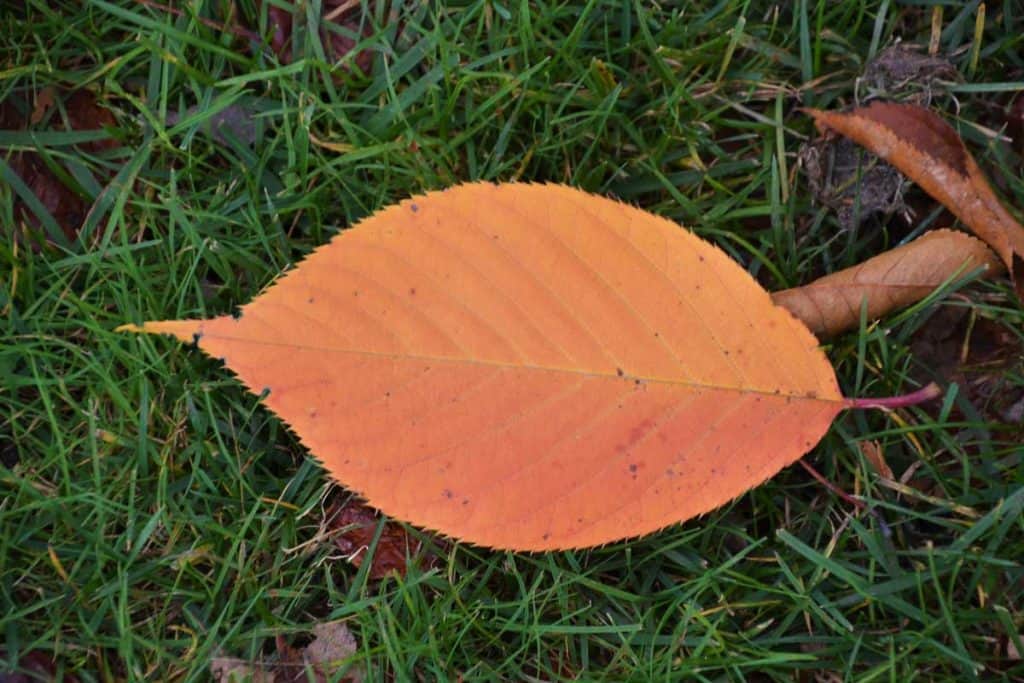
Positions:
{"x": 530, "y": 367}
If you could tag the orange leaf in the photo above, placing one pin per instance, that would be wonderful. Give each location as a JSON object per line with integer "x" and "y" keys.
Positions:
{"x": 530, "y": 367}
{"x": 892, "y": 280}
{"x": 929, "y": 152}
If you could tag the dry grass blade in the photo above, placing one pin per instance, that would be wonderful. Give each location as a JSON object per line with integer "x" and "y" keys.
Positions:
{"x": 890, "y": 281}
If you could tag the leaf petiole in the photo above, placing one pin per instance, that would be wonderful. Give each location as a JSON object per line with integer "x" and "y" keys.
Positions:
{"x": 927, "y": 393}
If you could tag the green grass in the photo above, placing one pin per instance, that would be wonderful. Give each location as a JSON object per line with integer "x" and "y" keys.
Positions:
{"x": 158, "y": 516}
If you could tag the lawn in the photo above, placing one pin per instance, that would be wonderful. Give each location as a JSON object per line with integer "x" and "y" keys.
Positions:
{"x": 156, "y": 519}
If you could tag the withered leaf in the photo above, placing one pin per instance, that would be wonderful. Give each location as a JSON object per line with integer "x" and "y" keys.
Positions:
{"x": 323, "y": 659}
{"x": 873, "y": 453}
{"x": 928, "y": 150}
{"x": 66, "y": 206}
{"x": 352, "y": 527}
{"x": 887, "y": 282}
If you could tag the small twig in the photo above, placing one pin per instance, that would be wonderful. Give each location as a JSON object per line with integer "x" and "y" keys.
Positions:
{"x": 210, "y": 23}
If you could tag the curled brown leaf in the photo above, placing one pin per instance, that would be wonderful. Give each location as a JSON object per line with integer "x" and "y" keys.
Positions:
{"x": 892, "y": 280}
{"x": 928, "y": 151}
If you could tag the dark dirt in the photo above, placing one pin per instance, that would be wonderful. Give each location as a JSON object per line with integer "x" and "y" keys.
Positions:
{"x": 862, "y": 189}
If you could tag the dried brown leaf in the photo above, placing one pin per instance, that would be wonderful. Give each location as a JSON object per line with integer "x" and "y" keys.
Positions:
{"x": 928, "y": 150}
{"x": 325, "y": 657}
{"x": 892, "y": 280}
{"x": 873, "y": 453}
{"x": 44, "y": 101}
{"x": 353, "y": 526}
{"x": 232, "y": 670}
{"x": 36, "y": 665}
{"x": 83, "y": 112}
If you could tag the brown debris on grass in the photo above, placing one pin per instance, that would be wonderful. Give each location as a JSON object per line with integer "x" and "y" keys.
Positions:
{"x": 42, "y": 174}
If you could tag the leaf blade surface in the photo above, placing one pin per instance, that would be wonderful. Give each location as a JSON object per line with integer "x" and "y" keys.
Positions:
{"x": 530, "y": 367}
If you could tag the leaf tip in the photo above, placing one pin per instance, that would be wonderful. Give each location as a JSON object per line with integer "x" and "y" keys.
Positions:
{"x": 184, "y": 330}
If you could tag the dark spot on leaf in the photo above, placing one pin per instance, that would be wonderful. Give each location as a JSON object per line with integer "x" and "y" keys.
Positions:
{"x": 414, "y": 207}
{"x": 619, "y": 372}
{"x": 632, "y": 467}
{"x": 355, "y": 292}
{"x": 412, "y": 291}
{"x": 265, "y": 392}
{"x": 465, "y": 501}
{"x": 546, "y": 536}
{"x": 700, "y": 257}
{"x": 447, "y": 494}
{"x": 310, "y": 300}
